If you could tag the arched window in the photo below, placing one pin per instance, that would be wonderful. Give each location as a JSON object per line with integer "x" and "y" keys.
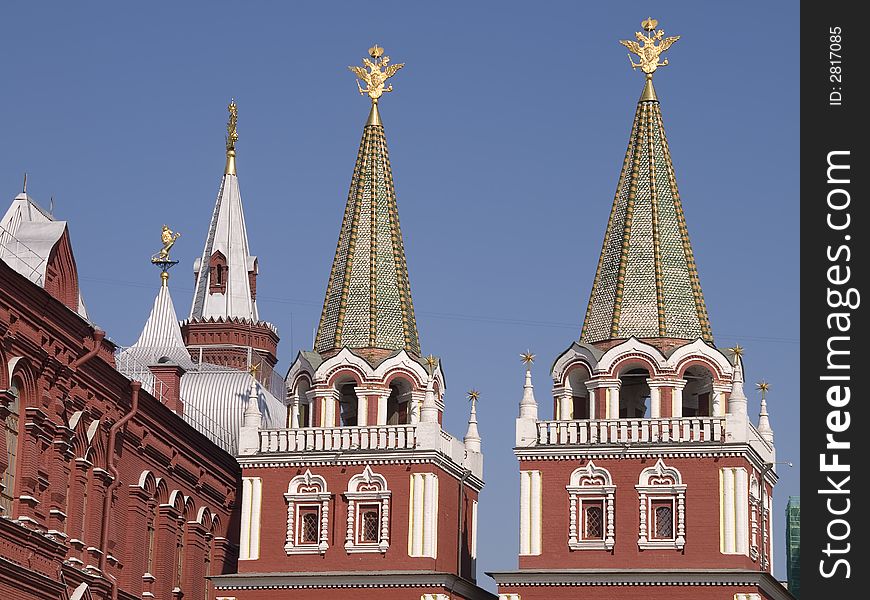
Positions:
{"x": 348, "y": 404}
{"x": 576, "y": 380}
{"x": 368, "y": 513}
{"x": 307, "y": 515}
{"x": 662, "y": 506}
{"x": 10, "y": 426}
{"x": 301, "y": 406}
{"x": 591, "y": 499}
{"x": 634, "y": 394}
{"x": 698, "y": 393}
{"x": 399, "y": 403}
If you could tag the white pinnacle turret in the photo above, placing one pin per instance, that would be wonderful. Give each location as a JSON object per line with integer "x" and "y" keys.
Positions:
{"x": 764, "y": 428}
{"x": 252, "y": 410}
{"x": 472, "y": 436}
{"x": 737, "y": 401}
{"x": 528, "y": 405}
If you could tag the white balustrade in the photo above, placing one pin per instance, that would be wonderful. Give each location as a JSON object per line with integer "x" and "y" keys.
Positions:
{"x": 630, "y": 431}
{"x": 375, "y": 437}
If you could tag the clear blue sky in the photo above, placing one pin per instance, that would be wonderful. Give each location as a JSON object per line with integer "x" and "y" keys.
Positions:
{"x": 507, "y": 131}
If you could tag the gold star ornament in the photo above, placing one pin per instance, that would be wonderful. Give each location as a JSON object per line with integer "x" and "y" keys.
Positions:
{"x": 527, "y": 357}
{"x": 473, "y": 395}
{"x": 763, "y": 387}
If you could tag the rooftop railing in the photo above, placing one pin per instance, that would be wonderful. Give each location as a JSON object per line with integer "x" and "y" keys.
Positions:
{"x": 374, "y": 437}
{"x": 631, "y": 431}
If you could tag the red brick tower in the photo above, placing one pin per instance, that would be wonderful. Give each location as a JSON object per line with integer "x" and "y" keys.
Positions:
{"x": 224, "y": 327}
{"x": 650, "y": 480}
{"x": 363, "y": 495}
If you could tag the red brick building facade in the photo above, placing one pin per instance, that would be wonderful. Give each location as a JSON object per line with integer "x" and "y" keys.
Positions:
{"x": 106, "y": 492}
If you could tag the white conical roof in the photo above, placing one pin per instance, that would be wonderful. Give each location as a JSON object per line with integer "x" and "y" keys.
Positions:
{"x": 161, "y": 335}
{"x": 226, "y": 234}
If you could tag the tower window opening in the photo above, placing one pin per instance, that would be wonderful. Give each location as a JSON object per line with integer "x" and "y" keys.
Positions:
{"x": 697, "y": 394}
{"x": 634, "y": 394}
{"x": 7, "y": 492}
{"x": 399, "y": 403}
{"x": 348, "y": 405}
{"x": 576, "y": 381}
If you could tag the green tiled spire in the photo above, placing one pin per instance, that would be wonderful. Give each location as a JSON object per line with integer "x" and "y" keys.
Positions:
{"x": 368, "y": 299}
{"x": 646, "y": 284}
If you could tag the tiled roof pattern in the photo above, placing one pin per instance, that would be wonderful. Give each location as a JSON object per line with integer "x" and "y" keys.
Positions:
{"x": 646, "y": 284}
{"x": 368, "y": 299}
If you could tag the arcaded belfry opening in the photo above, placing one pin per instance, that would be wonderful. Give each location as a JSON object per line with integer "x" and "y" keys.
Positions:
{"x": 303, "y": 412}
{"x": 634, "y": 393}
{"x": 576, "y": 383}
{"x": 698, "y": 393}
{"x": 348, "y": 403}
{"x": 399, "y": 403}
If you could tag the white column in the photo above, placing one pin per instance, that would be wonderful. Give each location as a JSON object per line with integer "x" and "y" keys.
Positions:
{"x": 613, "y": 401}
{"x": 718, "y": 399}
{"x": 677, "y": 400}
{"x": 566, "y": 405}
{"x": 382, "y": 409}
{"x": 530, "y": 512}
{"x": 741, "y": 499}
{"x": 415, "y": 543}
{"x": 430, "y": 515}
{"x": 362, "y": 409}
{"x": 655, "y": 399}
{"x": 726, "y": 499}
{"x": 252, "y": 496}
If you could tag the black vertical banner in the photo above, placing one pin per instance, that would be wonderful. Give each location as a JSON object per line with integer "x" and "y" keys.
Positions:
{"x": 834, "y": 274}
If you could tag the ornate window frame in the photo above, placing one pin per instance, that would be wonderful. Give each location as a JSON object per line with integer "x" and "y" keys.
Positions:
{"x": 367, "y": 487}
{"x": 591, "y": 484}
{"x": 307, "y": 490}
{"x": 754, "y": 510}
{"x": 661, "y": 482}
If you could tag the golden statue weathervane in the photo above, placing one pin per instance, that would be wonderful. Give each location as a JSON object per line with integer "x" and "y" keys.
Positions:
{"x": 650, "y": 51}
{"x": 232, "y": 137}
{"x": 162, "y": 259}
{"x": 379, "y": 71}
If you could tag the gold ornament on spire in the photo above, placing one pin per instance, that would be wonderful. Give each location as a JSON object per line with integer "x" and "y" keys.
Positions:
{"x": 737, "y": 351}
{"x": 647, "y": 49}
{"x": 528, "y": 358}
{"x": 379, "y": 71}
{"x": 473, "y": 395}
{"x": 431, "y": 361}
{"x": 232, "y": 137}
{"x": 253, "y": 369}
{"x": 763, "y": 387}
{"x": 168, "y": 237}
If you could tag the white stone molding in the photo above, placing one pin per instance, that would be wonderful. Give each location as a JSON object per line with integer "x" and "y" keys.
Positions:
{"x": 750, "y": 596}
{"x": 734, "y": 511}
{"x": 754, "y": 509}
{"x": 661, "y": 482}
{"x": 628, "y": 348}
{"x": 588, "y": 484}
{"x": 307, "y": 491}
{"x": 509, "y": 597}
{"x": 572, "y": 357}
{"x": 721, "y": 366}
{"x": 423, "y": 516}
{"x": 531, "y": 514}
{"x": 367, "y": 487}
{"x": 252, "y": 497}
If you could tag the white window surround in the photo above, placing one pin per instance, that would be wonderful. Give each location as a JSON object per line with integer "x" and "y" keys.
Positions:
{"x": 661, "y": 482}
{"x": 367, "y": 487}
{"x": 591, "y": 484}
{"x": 307, "y": 490}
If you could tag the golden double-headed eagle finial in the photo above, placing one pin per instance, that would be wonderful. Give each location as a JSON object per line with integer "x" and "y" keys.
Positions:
{"x": 379, "y": 70}
{"x": 232, "y": 132}
{"x": 649, "y": 47}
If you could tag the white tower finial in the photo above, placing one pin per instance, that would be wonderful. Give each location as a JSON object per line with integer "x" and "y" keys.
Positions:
{"x": 737, "y": 401}
{"x": 472, "y": 436}
{"x": 429, "y": 410}
{"x": 763, "y": 419}
{"x": 528, "y": 405}
{"x": 253, "y": 417}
